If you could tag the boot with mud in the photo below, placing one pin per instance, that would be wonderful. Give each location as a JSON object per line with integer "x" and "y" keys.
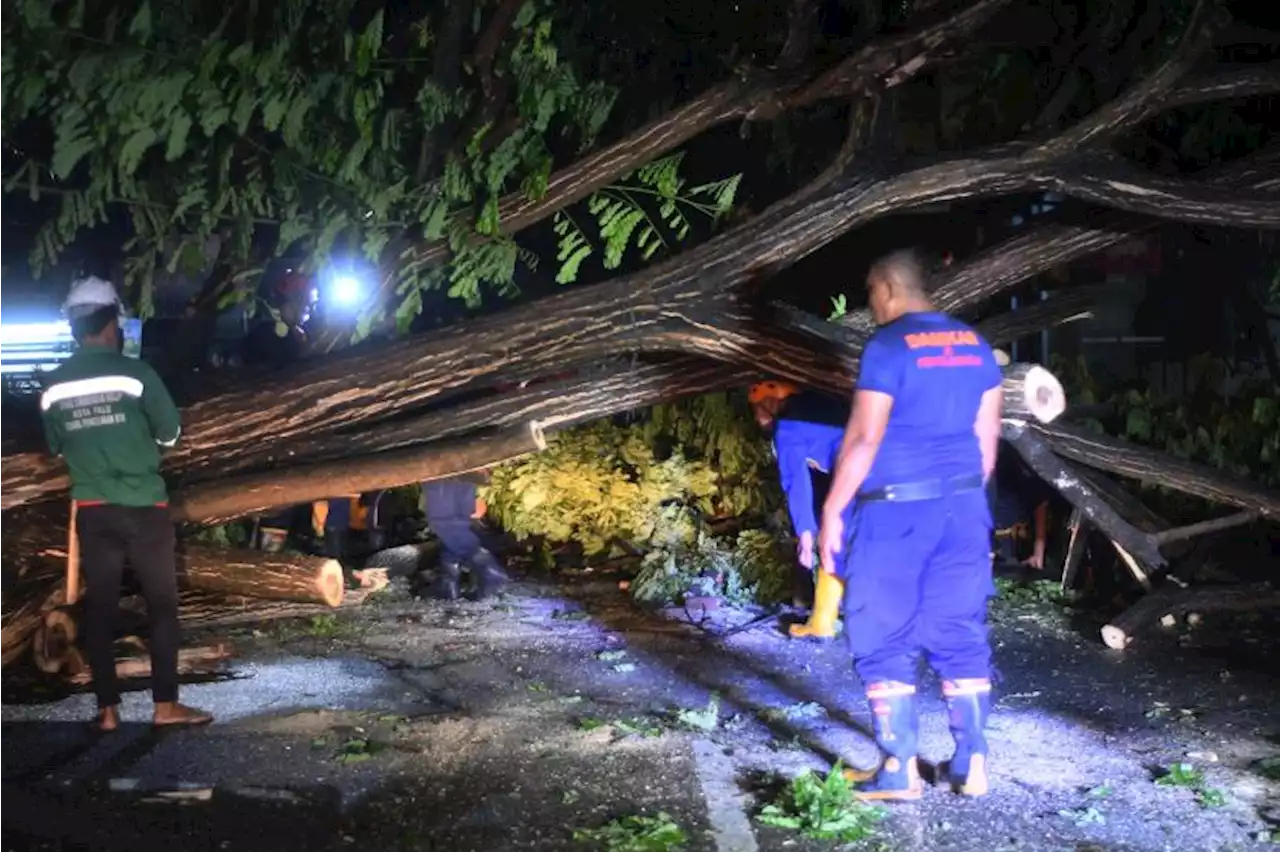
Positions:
{"x": 894, "y": 714}
{"x": 828, "y": 595}
{"x": 968, "y": 707}
{"x": 448, "y": 582}
{"x": 489, "y": 575}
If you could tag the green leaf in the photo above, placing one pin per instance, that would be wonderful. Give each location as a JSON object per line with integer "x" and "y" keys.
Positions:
{"x": 273, "y": 111}
{"x": 134, "y": 149}
{"x": 140, "y": 26}
{"x": 369, "y": 45}
{"x": 178, "y": 132}
{"x": 525, "y": 16}
{"x": 67, "y": 155}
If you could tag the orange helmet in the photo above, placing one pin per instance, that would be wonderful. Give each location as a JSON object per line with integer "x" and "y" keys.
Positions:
{"x": 771, "y": 390}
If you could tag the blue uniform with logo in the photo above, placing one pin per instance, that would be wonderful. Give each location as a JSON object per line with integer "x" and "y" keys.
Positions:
{"x": 918, "y": 559}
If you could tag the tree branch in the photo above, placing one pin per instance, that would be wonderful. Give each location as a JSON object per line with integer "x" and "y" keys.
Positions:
{"x": 489, "y": 42}
{"x": 802, "y": 29}
{"x": 1156, "y": 468}
{"x": 1144, "y": 99}
{"x": 887, "y": 62}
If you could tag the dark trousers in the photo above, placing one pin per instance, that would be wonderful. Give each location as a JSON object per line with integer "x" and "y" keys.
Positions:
{"x": 450, "y": 505}
{"x": 110, "y": 536}
{"x": 917, "y": 578}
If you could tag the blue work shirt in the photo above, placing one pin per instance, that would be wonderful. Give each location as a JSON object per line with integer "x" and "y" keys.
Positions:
{"x": 802, "y": 446}
{"x": 936, "y": 368}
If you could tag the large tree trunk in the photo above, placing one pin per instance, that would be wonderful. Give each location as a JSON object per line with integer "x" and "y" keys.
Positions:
{"x": 273, "y": 576}
{"x": 226, "y": 499}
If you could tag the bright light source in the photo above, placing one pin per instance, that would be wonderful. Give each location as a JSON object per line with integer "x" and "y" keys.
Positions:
{"x": 36, "y": 332}
{"x": 347, "y": 289}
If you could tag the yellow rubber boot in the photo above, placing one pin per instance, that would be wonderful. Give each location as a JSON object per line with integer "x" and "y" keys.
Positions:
{"x": 828, "y": 593}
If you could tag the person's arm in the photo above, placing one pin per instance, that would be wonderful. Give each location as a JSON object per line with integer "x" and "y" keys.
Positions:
{"x": 1040, "y": 524}
{"x": 878, "y": 383}
{"x": 797, "y": 483}
{"x": 162, "y": 414}
{"x": 987, "y": 428}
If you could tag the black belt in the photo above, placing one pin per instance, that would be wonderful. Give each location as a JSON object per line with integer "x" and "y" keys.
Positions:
{"x": 928, "y": 489}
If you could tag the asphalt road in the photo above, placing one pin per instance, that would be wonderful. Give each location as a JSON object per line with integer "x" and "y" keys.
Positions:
{"x": 424, "y": 726}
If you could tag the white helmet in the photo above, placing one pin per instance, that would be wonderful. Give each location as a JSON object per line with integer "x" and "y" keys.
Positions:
{"x": 88, "y": 295}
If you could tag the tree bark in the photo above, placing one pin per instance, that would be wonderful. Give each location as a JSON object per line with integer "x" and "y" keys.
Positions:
{"x": 226, "y": 499}
{"x": 203, "y": 659}
{"x": 272, "y": 576}
{"x": 1156, "y": 468}
{"x": 1173, "y": 600}
{"x": 54, "y": 640}
{"x": 554, "y": 406}
{"x": 1040, "y": 458}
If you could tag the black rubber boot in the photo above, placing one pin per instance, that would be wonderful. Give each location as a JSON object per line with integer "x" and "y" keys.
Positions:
{"x": 448, "y": 582}
{"x": 490, "y": 576}
{"x": 377, "y": 540}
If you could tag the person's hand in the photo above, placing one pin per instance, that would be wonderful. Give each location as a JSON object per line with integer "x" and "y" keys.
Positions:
{"x": 804, "y": 549}
{"x": 830, "y": 540}
{"x": 1036, "y": 560}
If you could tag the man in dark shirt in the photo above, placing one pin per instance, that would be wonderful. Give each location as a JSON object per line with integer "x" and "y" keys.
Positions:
{"x": 920, "y": 445}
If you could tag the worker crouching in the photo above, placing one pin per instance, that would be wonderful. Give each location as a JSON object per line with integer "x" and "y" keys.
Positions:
{"x": 920, "y": 445}
{"x": 806, "y": 440}
{"x": 451, "y": 505}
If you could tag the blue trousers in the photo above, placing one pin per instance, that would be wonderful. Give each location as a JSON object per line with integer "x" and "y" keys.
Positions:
{"x": 917, "y": 579}
{"x": 450, "y": 504}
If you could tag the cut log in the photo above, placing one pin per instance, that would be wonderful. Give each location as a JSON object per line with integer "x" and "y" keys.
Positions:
{"x": 1172, "y": 599}
{"x": 272, "y": 576}
{"x": 1077, "y": 491}
{"x": 1032, "y": 393}
{"x": 203, "y": 609}
{"x": 238, "y": 496}
{"x": 205, "y": 659}
{"x": 54, "y": 641}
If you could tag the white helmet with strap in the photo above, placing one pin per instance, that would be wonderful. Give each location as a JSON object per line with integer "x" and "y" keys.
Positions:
{"x": 89, "y": 295}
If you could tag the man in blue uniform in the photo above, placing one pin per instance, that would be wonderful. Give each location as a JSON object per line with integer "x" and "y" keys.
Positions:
{"x": 919, "y": 447}
{"x": 451, "y": 504}
{"x": 806, "y": 440}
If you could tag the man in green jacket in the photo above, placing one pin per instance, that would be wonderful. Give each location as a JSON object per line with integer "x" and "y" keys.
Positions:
{"x": 108, "y": 415}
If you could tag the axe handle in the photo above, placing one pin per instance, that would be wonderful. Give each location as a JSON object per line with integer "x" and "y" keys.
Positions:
{"x": 73, "y": 559}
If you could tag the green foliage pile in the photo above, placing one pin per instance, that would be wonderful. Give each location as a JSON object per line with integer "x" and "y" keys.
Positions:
{"x": 653, "y": 484}
{"x": 315, "y": 130}
{"x": 823, "y": 808}
{"x": 635, "y": 834}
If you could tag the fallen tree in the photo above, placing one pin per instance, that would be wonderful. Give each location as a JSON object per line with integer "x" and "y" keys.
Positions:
{"x": 699, "y": 302}
{"x": 226, "y": 499}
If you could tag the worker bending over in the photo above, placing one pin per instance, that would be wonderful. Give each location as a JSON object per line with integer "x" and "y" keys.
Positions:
{"x": 451, "y": 504}
{"x": 805, "y": 440}
{"x": 108, "y": 415}
{"x": 919, "y": 448}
